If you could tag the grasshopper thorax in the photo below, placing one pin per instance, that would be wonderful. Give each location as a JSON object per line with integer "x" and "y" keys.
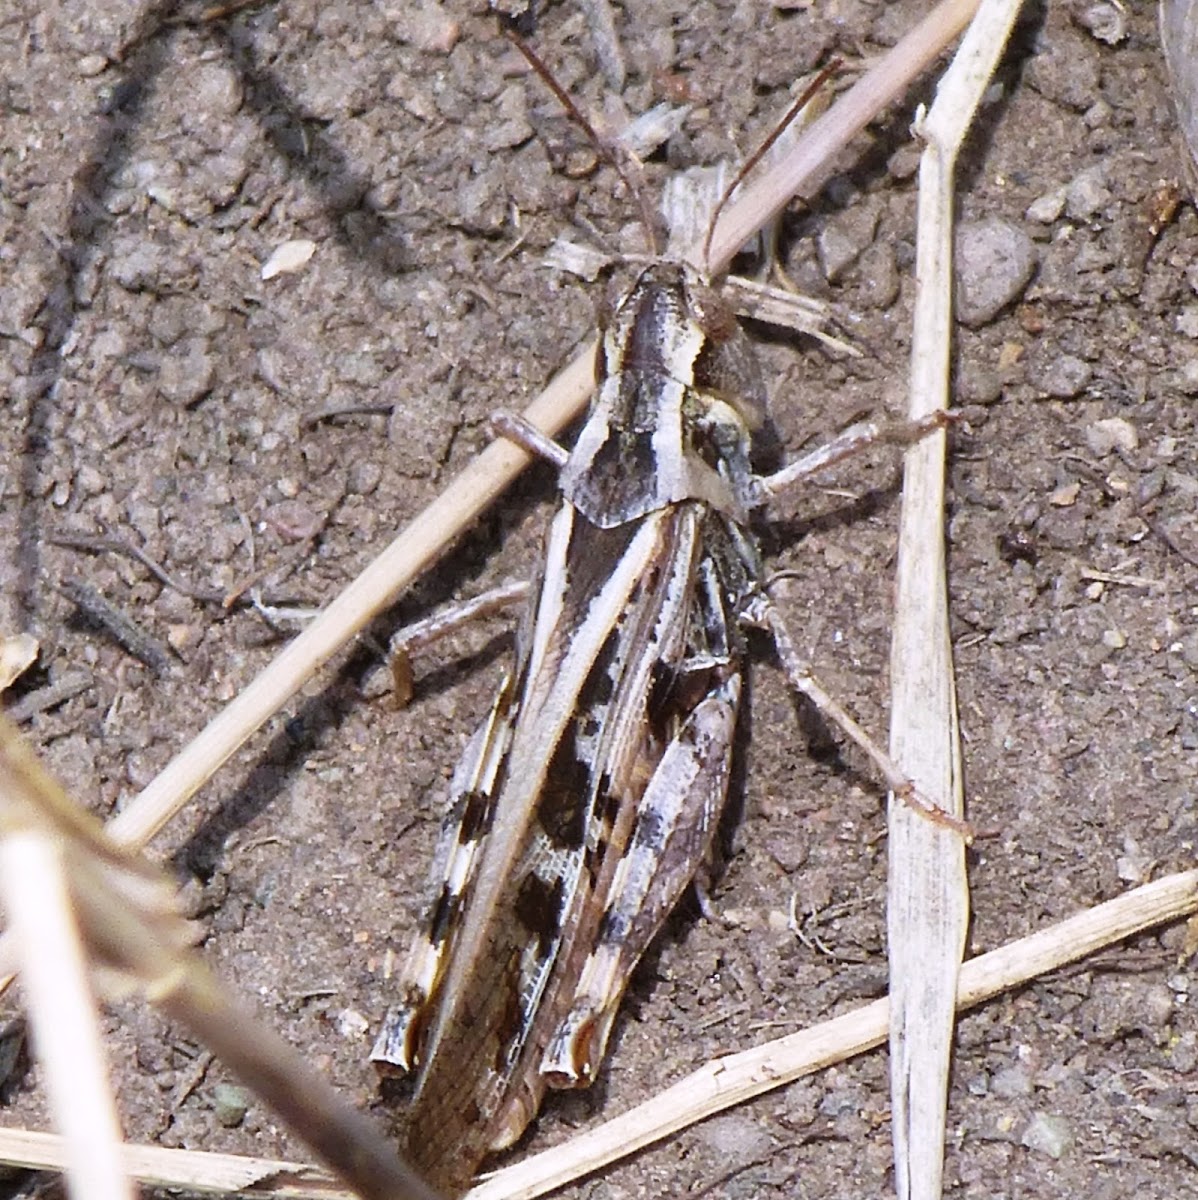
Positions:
{"x": 679, "y": 396}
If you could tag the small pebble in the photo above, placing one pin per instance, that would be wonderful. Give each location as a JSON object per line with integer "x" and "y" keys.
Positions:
{"x": 1087, "y": 194}
{"x": 1066, "y": 69}
{"x": 1187, "y": 321}
{"x": 735, "y": 1139}
{"x": 182, "y": 637}
{"x": 511, "y": 126}
{"x": 995, "y": 260}
{"x": 1098, "y": 115}
{"x": 1011, "y": 1082}
{"x": 230, "y": 1103}
{"x": 186, "y": 378}
{"x": 879, "y": 276}
{"x": 1047, "y": 208}
{"x": 1133, "y": 865}
{"x": 978, "y": 385}
{"x": 1066, "y": 495}
{"x": 1048, "y": 1134}
{"x": 428, "y": 27}
{"x": 288, "y": 257}
{"x": 1105, "y": 21}
{"x": 1187, "y": 377}
{"x": 363, "y": 478}
{"x": 904, "y": 162}
{"x": 351, "y": 1024}
{"x": 293, "y": 520}
{"x": 843, "y": 239}
{"x": 1111, "y": 433}
{"x": 214, "y": 90}
{"x": 1062, "y": 377}
{"x": 91, "y": 65}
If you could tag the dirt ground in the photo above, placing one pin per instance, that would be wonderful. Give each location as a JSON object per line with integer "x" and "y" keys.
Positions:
{"x": 161, "y": 394}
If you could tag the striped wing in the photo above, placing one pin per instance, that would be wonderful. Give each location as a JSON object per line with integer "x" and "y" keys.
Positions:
{"x": 629, "y": 643}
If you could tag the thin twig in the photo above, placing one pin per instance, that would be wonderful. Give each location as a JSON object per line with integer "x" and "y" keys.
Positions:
{"x": 118, "y": 624}
{"x": 71, "y": 684}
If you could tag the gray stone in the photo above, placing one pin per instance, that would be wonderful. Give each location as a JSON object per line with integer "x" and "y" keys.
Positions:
{"x": 1087, "y": 194}
{"x": 995, "y": 260}
{"x": 1061, "y": 377}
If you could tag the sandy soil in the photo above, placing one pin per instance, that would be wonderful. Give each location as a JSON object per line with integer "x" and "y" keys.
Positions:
{"x": 159, "y": 392}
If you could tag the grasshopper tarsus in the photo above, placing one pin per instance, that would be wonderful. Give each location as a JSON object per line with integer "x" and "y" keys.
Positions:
{"x": 441, "y": 624}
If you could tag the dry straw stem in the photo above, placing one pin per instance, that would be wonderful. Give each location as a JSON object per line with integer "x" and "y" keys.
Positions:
{"x": 103, "y": 901}
{"x": 61, "y": 1008}
{"x": 188, "y": 1170}
{"x": 717, "y": 1086}
{"x": 928, "y": 905}
{"x": 479, "y": 485}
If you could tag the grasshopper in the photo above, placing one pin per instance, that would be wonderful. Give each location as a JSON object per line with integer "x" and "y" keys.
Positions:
{"x": 588, "y": 799}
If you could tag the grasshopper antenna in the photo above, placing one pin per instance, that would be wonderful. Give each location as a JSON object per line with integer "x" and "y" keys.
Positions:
{"x": 808, "y": 94}
{"x": 619, "y": 161}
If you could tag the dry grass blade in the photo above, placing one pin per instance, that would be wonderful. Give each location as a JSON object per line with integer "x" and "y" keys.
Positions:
{"x": 129, "y": 928}
{"x": 715, "y": 1087}
{"x": 928, "y": 905}
{"x": 1179, "y": 41}
{"x": 62, "y": 1011}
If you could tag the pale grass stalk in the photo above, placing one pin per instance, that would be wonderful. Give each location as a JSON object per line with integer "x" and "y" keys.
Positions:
{"x": 186, "y": 1170}
{"x": 63, "y": 1014}
{"x": 928, "y": 902}
{"x": 719, "y": 1085}
{"x": 429, "y": 534}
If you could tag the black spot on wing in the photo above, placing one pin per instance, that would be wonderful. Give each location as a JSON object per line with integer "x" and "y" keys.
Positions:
{"x": 539, "y": 909}
{"x": 512, "y": 1024}
{"x": 445, "y": 916}
{"x": 614, "y": 927}
{"x": 477, "y": 811}
{"x": 562, "y": 804}
{"x": 651, "y": 830}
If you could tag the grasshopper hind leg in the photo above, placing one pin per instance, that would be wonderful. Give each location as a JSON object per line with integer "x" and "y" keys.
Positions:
{"x": 670, "y": 843}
